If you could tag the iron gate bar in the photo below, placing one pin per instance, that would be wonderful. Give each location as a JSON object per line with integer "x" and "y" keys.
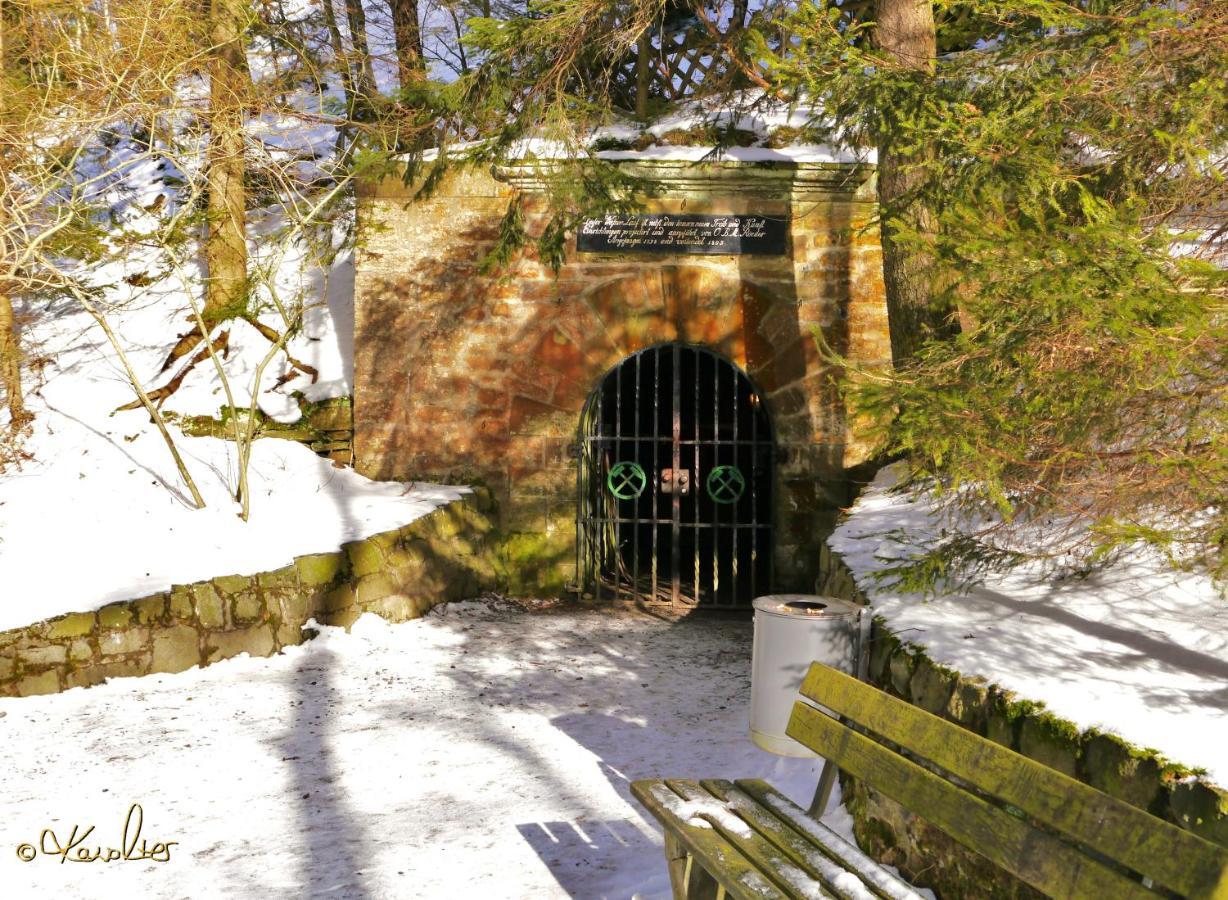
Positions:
{"x": 695, "y": 560}
{"x": 754, "y": 463}
{"x": 599, "y": 533}
{"x": 676, "y": 512}
{"x": 618, "y": 452}
{"x": 656, "y": 433}
{"x": 635, "y": 577}
{"x": 733, "y": 512}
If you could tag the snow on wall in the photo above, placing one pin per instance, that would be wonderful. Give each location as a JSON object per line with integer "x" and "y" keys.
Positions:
{"x": 1136, "y": 650}
{"x": 98, "y": 512}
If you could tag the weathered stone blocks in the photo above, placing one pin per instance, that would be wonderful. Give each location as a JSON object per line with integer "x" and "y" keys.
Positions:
{"x": 180, "y": 602}
{"x": 1116, "y": 768}
{"x": 232, "y": 584}
{"x": 74, "y": 625}
{"x": 176, "y": 649}
{"x": 48, "y": 655}
{"x": 80, "y": 650}
{"x": 931, "y": 686}
{"x": 883, "y": 645}
{"x": 42, "y": 683}
{"x": 969, "y": 704}
{"x": 116, "y": 615}
{"x": 1203, "y": 809}
{"x": 208, "y": 606}
{"x": 255, "y": 641}
{"x": 118, "y": 643}
{"x": 289, "y": 634}
{"x": 1002, "y": 725}
{"x": 365, "y": 557}
{"x": 900, "y": 669}
{"x": 319, "y": 568}
{"x": 150, "y": 609}
{"x": 1052, "y": 741}
{"x": 248, "y": 607}
{"x": 336, "y": 599}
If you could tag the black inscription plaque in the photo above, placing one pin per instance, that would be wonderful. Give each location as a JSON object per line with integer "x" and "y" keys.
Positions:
{"x": 662, "y": 233}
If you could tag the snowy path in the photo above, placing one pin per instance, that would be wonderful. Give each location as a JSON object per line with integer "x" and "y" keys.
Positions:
{"x": 485, "y": 752}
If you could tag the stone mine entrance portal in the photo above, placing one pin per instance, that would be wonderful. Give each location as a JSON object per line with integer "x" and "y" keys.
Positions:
{"x": 679, "y": 341}
{"x": 674, "y": 482}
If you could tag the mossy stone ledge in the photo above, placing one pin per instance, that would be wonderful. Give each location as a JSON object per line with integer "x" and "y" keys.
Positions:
{"x": 401, "y": 574}
{"x": 926, "y": 856}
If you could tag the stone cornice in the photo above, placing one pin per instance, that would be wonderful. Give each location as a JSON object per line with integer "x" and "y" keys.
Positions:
{"x": 768, "y": 179}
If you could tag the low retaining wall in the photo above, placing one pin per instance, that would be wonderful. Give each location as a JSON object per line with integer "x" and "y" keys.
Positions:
{"x": 399, "y": 574}
{"x": 925, "y": 855}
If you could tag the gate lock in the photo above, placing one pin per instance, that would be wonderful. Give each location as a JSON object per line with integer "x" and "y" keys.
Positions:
{"x": 676, "y": 481}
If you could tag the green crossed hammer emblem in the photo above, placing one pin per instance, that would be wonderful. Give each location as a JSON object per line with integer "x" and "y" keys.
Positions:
{"x": 626, "y": 480}
{"x": 725, "y": 484}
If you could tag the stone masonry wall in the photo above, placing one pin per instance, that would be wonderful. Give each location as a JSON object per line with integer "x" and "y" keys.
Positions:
{"x": 398, "y": 574}
{"x": 462, "y": 377}
{"x": 928, "y": 857}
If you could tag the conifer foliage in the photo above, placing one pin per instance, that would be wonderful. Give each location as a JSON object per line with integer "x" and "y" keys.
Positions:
{"x": 1074, "y": 176}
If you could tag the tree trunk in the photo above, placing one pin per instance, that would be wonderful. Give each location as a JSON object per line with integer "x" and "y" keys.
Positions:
{"x": 356, "y": 19}
{"x": 226, "y": 240}
{"x": 408, "y": 38}
{"x": 10, "y": 364}
{"x": 643, "y": 74}
{"x": 905, "y": 33}
{"x": 339, "y": 55}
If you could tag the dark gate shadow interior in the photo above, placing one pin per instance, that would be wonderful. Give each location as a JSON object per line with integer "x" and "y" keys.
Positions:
{"x": 675, "y": 482}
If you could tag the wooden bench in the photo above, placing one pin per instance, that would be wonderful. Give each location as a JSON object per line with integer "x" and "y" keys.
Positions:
{"x": 1067, "y": 839}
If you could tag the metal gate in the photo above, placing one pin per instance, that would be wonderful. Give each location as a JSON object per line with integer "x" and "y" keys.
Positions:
{"x": 675, "y": 482}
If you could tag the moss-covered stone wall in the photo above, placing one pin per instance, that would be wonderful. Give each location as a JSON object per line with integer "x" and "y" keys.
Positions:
{"x": 399, "y": 574}
{"x": 928, "y": 857}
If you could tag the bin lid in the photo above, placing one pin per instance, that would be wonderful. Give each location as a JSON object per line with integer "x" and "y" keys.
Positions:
{"x": 806, "y": 606}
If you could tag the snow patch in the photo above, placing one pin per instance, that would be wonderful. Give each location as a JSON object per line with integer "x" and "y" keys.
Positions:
{"x": 100, "y": 513}
{"x": 1136, "y": 649}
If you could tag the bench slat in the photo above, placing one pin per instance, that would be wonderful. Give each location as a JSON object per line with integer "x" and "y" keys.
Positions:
{"x": 744, "y": 881}
{"x": 844, "y": 853}
{"x": 804, "y": 853}
{"x": 1157, "y": 849}
{"x": 769, "y": 859}
{"x": 1040, "y": 859}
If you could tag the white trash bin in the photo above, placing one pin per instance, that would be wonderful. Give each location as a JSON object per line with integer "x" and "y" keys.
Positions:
{"x": 792, "y": 631}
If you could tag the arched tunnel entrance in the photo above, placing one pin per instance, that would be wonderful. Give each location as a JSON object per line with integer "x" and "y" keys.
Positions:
{"x": 675, "y": 482}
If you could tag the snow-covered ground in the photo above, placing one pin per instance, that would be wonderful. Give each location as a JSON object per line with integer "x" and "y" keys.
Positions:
{"x": 479, "y": 752}
{"x": 99, "y": 513}
{"x": 1136, "y": 649}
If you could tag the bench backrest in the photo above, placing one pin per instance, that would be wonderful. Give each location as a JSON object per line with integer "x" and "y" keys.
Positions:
{"x": 1063, "y": 837}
